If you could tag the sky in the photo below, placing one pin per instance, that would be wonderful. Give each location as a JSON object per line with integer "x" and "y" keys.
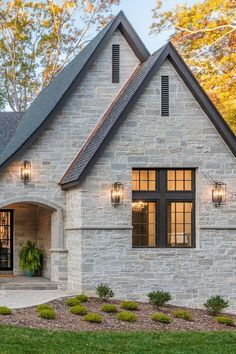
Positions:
{"x": 139, "y": 13}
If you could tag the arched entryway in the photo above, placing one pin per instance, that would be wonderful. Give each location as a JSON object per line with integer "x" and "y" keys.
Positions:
{"x": 34, "y": 219}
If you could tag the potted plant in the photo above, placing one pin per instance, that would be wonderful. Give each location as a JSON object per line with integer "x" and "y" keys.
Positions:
{"x": 31, "y": 259}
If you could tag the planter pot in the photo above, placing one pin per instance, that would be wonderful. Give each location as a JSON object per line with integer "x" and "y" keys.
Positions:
{"x": 29, "y": 274}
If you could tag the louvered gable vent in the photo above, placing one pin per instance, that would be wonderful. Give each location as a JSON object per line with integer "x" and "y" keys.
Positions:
{"x": 165, "y": 96}
{"x": 115, "y": 63}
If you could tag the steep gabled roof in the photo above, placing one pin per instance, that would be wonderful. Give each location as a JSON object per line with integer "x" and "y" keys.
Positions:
{"x": 40, "y": 111}
{"x": 8, "y": 124}
{"x": 124, "y": 102}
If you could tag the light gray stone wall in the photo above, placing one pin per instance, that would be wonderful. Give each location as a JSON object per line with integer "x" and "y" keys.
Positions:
{"x": 184, "y": 139}
{"x": 44, "y": 238}
{"x": 59, "y": 143}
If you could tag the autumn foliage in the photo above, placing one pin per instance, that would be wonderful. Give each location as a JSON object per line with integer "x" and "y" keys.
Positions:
{"x": 205, "y": 35}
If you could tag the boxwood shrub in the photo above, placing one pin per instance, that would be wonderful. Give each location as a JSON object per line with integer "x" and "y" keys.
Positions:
{"x": 216, "y": 304}
{"x": 159, "y": 298}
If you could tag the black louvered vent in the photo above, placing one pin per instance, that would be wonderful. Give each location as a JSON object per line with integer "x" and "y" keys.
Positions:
{"x": 165, "y": 96}
{"x": 115, "y": 63}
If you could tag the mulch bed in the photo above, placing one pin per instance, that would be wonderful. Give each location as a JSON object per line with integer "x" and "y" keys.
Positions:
{"x": 28, "y": 317}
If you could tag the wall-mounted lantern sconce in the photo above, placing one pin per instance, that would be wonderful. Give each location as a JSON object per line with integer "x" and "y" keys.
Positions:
{"x": 26, "y": 171}
{"x": 219, "y": 194}
{"x": 117, "y": 193}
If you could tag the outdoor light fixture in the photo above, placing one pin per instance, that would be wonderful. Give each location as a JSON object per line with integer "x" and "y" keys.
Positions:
{"x": 219, "y": 194}
{"x": 26, "y": 171}
{"x": 117, "y": 193}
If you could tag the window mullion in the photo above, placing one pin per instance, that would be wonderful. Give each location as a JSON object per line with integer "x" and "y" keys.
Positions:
{"x": 162, "y": 237}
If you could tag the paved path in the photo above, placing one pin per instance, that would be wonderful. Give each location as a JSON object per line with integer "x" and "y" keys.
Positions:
{"x": 26, "y": 298}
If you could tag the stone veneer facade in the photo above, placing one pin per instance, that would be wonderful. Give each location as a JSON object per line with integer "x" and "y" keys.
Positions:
{"x": 91, "y": 242}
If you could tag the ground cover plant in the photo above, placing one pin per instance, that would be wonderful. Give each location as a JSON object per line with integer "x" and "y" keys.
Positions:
{"x": 183, "y": 314}
{"x": 126, "y": 316}
{"x": 226, "y": 320}
{"x": 129, "y": 305}
{"x": 5, "y": 311}
{"x": 93, "y": 317}
{"x": 79, "y": 310}
{"x": 109, "y": 308}
{"x": 161, "y": 317}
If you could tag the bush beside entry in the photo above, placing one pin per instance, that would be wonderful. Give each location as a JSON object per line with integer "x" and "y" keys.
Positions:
{"x": 31, "y": 259}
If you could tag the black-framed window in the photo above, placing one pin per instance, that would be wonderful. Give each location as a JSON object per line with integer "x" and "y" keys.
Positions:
{"x": 163, "y": 207}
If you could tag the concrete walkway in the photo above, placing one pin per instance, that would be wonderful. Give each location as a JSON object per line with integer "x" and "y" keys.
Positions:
{"x": 25, "y": 298}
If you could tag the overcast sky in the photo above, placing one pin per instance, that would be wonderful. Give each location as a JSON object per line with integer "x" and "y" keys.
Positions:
{"x": 140, "y": 15}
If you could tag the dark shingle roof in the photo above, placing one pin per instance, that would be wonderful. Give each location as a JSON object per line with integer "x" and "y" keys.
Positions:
{"x": 124, "y": 102}
{"x": 8, "y": 124}
{"x": 39, "y": 113}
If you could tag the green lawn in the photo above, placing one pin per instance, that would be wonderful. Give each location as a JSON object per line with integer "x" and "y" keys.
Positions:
{"x": 24, "y": 340}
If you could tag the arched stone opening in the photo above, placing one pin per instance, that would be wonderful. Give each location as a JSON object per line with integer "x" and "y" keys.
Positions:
{"x": 37, "y": 220}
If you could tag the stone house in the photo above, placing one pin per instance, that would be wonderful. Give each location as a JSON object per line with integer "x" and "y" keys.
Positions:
{"x": 124, "y": 172}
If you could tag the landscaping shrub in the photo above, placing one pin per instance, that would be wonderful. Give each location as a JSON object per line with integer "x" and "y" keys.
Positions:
{"x": 216, "y": 304}
{"x": 129, "y": 305}
{"x": 183, "y": 314}
{"x": 79, "y": 310}
{"x": 47, "y": 314}
{"x": 5, "y": 310}
{"x": 110, "y": 308}
{"x": 73, "y": 301}
{"x": 159, "y": 298}
{"x": 226, "y": 320}
{"x": 104, "y": 292}
{"x": 160, "y": 317}
{"x": 81, "y": 298}
{"x": 93, "y": 317}
{"x": 43, "y": 307}
{"x": 126, "y": 316}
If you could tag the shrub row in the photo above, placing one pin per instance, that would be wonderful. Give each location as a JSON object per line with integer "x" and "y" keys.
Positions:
{"x": 214, "y": 305}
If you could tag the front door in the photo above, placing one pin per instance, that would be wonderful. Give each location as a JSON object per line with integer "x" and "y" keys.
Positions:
{"x": 6, "y": 239}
